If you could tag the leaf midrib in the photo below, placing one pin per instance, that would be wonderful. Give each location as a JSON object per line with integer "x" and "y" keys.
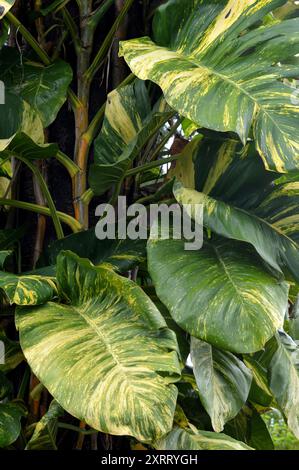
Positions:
{"x": 198, "y": 64}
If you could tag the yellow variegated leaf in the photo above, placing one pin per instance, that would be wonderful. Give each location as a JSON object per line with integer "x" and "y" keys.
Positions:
{"x": 273, "y": 245}
{"x": 106, "y": 355}
{"x": 128, "y": 124}
{"x": 27, "y": 289}
{"x": 183, "y": 439}
{"x": 184, "y": 167}
{"x": 45, "y": 431}
{"x": 217, "y": 68}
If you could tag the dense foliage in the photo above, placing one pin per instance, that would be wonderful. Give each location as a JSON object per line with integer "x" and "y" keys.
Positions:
{"x": 133, "y": 343}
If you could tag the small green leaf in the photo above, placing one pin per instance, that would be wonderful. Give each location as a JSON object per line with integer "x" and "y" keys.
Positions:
{"x": 10, "y": 422}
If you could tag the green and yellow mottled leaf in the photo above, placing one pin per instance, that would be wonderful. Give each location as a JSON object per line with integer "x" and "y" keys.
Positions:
{"x": 183, "y": 439}
{"x": 10, "y": 422}
{"x": 43, "y": 87}
{"x": 107, "y": 355}
{"x": 221, "y": 293}
{"x": 226, "y": 170}
{"x": 17, "y": 116}
{"x": 27, "y": 289}
{"x": 223, "y": 382}
{"x": 183, "y": 169}
{"x": 272, "y": 244}
{"x": 44, "y": 436}
{"x": 217, "y": 67}
{"x": 280, "y": 208}
{"x": 128, "y": 125}
{"x": 5, "y": 6}
{"x": 281, "y": 358}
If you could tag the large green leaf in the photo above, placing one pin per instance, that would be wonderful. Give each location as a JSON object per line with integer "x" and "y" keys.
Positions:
{"x": 106, "y": 356}
{"x": 27, "y": 290}
{"x": 223, "y": 382}
{"x": 43, "y": 87}
{"x": 129, "y": 123}
{"x": 182, "y": 439}
{"x": 282, "y": 359}
{"x": 272, "y": 244}
{"x": 10, "y": 422}
{"x": 215, "y": 67}
{"x": 5, "y": 6}
{"x": 221, "y": 293}
{"x": 45, "y": 432}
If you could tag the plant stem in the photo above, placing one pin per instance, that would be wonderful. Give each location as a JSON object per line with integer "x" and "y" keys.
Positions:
{"x": 24, "y": 383}
{"x": 149, "y": 166}
{"x": 165, "y": 139}
{"x": 76, "y": 428}
{"x": 28, "y": 206}
{"x": 87, "y": 196}
{"x": 47, "y": 195}
{"x": 29, "y": 38}
{"x": 70, "y": 166}
{"x": 82, "y": 112}
{"x": 96, "y": 64}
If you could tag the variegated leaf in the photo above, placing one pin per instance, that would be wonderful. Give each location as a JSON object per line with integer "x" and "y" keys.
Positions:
{"x": 27, "y": 289}
{"x": 10, "y": 422}
{"x": 128, "y": 125}
{"x": 273, "y": 245}
{"x": 223, "y": 382}
{"x": 183, "y": 439}
{"x": 226, "y": 170}
{"x": 281, "y": 357}
{"x": 280, "y": 208}
{"x": 106, "y": 355}
{"x": 45, "y": 431}
{"x": 216, "y": 67}
{"x": 183, "y": 168}
{"x": 43, "y": 87}
{"x": 21, "y": 126}
{"x": 5, "y": 6}
{"x": 220, "y": 293}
